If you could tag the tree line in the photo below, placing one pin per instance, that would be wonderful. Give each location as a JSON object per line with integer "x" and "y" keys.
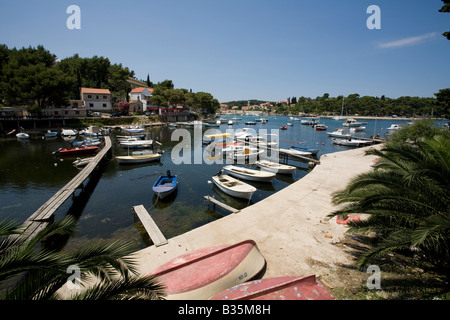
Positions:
{"x": 33, "y": 77}
{"x": 373, "y": 106}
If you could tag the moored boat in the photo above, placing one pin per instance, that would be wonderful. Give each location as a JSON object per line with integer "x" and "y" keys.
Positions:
{"x": 248, "y": 174}
{"x": 76, "y": 150}
{"x": 351, "y": 142}
{"x": 275, "y": 167}
{"x": 278, "y": 288}
{"x": 23, "y": 136}
{"x": 352, "y": 123}
{"x": 339, "y": 133}
{"x": 320, "y": 127}
{"x": 304, "y": 149}
{"x": 165, "y": 185}
{"x": 233, "y": 186}
{"x": 141, "y": 158}
{"x": 202, "y": 273}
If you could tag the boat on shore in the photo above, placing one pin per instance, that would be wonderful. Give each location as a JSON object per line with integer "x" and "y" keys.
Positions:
{"x": 275, "y": 167}
{"x": 165, "y": 185}
{"x": 233, "y": 186}
{"x": 248, "y": 174}
{"x": 200, "y": 274}
{"x": 277, "y": 288}
{"x": 141, "y": 158}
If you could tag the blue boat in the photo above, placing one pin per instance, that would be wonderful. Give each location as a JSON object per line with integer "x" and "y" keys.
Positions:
{"x": 310, "y": 150}
{"x": 165, "y": 185}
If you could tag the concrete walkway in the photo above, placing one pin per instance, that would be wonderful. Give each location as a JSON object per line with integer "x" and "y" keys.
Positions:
{"x": 290, "y": 227}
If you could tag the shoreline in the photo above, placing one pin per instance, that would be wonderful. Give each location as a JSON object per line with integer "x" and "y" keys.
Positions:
{"x": 290, "y": 227}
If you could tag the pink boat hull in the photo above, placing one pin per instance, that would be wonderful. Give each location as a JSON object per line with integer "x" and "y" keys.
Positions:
{"x": 280, "y": 288}
{"x": 205, "y": 272}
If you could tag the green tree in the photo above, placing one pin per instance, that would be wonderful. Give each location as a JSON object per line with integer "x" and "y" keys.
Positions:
{"x": 446, "y": 8}
{"x": 406, "y": 199}
{"x": 37, "y": 274}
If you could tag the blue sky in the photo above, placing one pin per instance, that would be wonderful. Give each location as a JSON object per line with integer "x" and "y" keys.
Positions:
{"x": 250, "y": 49}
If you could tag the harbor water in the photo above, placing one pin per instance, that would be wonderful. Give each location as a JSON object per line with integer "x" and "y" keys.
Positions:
{"x": 30, "y": 174}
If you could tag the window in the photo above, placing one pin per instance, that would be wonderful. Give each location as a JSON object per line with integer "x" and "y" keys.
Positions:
{"x": 104, "y": 97}
{"x": 89, "y": 96}
{"x": 91, "y": 105}
{"x": 104, "y": 105}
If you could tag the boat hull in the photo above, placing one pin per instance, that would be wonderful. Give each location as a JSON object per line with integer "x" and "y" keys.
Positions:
{"x": 165, "y": 186}
{"x": 247, "y": 174}
{"x": 228, "y": 185}
{"x": 76, "y": 150}
{"x": 279, "y": 288}
{"x": 200, "y": 274}
{"x": 275, "y": 167}
{"x": 138, "y": 158}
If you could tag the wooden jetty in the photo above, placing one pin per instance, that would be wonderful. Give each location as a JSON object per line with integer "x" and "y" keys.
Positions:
{"x": 221, "y": 204}
{"x": 150, "y": 226}
{"x": 42, "y": 217}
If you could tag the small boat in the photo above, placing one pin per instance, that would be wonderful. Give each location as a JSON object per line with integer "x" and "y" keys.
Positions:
{"x": 68, "y": 133}
{"x": 23, "y": 136}
{"x": 249, "y": 174}
{"x": 278, "y": 288}
{"x": 233, "y": 186}
{"x": 200, "y": 274}
{"x": 320, "y": 127}
{"x": 339, "y": 133}
{"x": 135, "y": 143}
{"x": 136, "y": 137}
{"x": 213, "y": 125}
{"x": 308, "y": 150}
{"x": 294, "y": 118}
{"x": 275, "y": 167}
{"x": 133, "y": 130}
{"x": 283, "y": 128}
{"x": 90, "y": 142}
{"x": 82, "y": 162}
{"x": 76, "y": 150}
{"x": 244, "y": 153}
{"x": 141, "y": 158}
{"x": 165, "y": 185}
{"x": 250, "y": 123}
{"x": 50, "y": 134}
{"x": 357, "y": 129}
{"x": 311, "y": 121}
{"x": 230, "y": 122}
{"x": 352, "y": 123}
{"x": 290, "y": 124}
{"x": 394, "y": 126}
{"x": 351, "y": 142}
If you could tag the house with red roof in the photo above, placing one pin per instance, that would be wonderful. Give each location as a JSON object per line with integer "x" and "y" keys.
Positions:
{"x": 96, "y": 99}
{"x": 143, "y": 95}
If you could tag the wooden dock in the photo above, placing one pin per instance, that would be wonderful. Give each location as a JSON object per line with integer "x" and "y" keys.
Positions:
{"x": 150, "y": 226}
{"x": 42, "y": 217}
{"x": 221, "y": 204}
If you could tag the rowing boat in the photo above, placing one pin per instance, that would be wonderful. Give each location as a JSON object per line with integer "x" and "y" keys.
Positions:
{"x": 275, "y": 167}
{"x": 233, "y": 186}
{"x": 249, "y": 174}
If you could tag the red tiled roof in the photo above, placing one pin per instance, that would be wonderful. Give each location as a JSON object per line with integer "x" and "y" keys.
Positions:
{"x": 140, "y": 89}
{"x": 95, "y": 91}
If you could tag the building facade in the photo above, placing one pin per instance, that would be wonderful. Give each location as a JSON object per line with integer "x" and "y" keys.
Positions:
{"x": 96, "y": 99}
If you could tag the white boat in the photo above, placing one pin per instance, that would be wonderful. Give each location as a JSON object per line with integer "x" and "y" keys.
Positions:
{"x": 230, "y": 122}
{"x": 339, "y": 133}
{"x": 23, "y": 136}
{"x": 352, "y": 123}
{"x": 289, "y": 124}
{"x": 233, "y": 186}
{"x": 351, "y": 142}
{"x": 142, "y": 158}
{"x": 394, "y": 126}
{"x": 248, "y": 174}
{"x": 68, "y": 133}
{"x": 357, "y": 129}
{"x": 90, "y": 142}
{"x": 275, "y": 167}
{"x": 245, "y": 153}
{"x": 82, "y": 162}
{"x": 311, "y": 121}
{"x": 294, "y": 118}
{"x": 50, "y": 134}
{"x": 136, "y": 143}
{"x": 133, "y": 130}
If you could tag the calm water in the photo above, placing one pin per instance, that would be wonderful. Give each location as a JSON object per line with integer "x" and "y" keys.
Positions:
{"x": 30, "y": 174}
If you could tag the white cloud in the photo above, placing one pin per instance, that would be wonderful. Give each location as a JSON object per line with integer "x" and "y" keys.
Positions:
{"x": 407, "y": 41}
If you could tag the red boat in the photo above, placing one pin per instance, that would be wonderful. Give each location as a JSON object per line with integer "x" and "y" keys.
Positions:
{"x": 77, "y": 150}
{"x": 203, "y": 273}
{"x": 281, "y": 288}
{"x": 283, "y": 128}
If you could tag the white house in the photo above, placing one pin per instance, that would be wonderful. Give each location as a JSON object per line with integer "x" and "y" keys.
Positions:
{"x": 96, "y": 99}
{"x": 142, "y": 94}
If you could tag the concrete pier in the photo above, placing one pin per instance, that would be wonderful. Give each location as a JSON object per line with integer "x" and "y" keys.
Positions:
{"x": 290, "y": 227}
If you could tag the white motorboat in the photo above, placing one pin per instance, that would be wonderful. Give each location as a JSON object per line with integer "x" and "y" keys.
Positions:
{"x": 23, "y": 136}
{"x": 248, "y": 174}
{"x": 394, "y": 126}
{"x": 357, "y": 129}
{"x": 339, "y": 133}
{"x": 352, "y": 123}
{"x": 233, "y": 186}
{"x": 136, "y": 143}
{"x": 275, "y": 167}
{"x": 141, "y": 158}
{"x": 351, "y": 142}
{"x": 68, "y": 133}
{"x": 245, "y": 153}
